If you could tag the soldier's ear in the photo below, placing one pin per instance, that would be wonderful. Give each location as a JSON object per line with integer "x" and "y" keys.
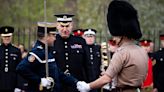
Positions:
{"x": 71, "y": 25}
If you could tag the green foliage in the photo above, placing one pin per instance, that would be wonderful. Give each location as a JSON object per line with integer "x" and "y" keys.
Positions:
{"x": 89, "y": 14}
{"x": 24, "y": 13}
{"x": 150, "y": 15}
{"x": 92, "y": 14}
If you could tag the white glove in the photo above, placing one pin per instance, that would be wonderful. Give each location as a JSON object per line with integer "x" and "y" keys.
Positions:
{"x": 44, "y": 82}
{"x": 51, "y": 82}
{"x": 47, "y": 82}
{"x": 17, "y": 90}
{"x": 83, "y": 86}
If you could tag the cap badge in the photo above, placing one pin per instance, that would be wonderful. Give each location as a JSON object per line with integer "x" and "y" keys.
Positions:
{"x": 6, "y": 30}
{"x": 145, "y": 41}
{"x": 64, "y": 17}
{"x": 78, "y": 32}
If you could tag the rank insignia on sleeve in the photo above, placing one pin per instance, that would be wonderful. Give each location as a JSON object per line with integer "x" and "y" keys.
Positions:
{"x": 31, "y": 58}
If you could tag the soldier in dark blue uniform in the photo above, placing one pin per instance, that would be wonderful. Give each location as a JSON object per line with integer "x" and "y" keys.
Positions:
{"x": 158, "y": 68}
{"x": 33, "y": 66}
{"x": 10, "y": 56}
{"x": 94, "y": 56}
{"x": 71, "y": 51}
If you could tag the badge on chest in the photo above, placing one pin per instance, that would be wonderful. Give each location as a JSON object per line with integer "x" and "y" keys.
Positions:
{"x": 75, "y": 46}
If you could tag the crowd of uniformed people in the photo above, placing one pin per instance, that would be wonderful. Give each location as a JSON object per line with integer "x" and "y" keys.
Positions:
{"x": 67, "y": 60}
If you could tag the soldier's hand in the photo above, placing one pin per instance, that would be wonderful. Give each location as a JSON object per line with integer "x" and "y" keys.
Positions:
{"x": 47, "y": 82}
{"x": 102, "y": 73}
{"x": 83, "y": 86}
{"x": 44, "y": 82}
{"x": 51, "y": 82}
{"x": 17, "y": 90}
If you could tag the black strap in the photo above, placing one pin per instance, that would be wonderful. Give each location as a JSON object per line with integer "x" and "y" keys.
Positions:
{"x": 120, "y": 89}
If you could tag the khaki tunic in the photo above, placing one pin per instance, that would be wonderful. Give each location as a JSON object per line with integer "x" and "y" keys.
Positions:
{"x": 129, "y": 64}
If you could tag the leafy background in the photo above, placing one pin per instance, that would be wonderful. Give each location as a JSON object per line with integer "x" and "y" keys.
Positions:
{"x": 89, "y": 14}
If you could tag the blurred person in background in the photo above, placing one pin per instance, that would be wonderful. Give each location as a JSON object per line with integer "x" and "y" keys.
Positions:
{"x": 148, "y": 83}
{"x": 10, "y": 56}
{"x": 94, "y": 56}
{"x": 78, "y": 32}
{"x": 23, "y": 50}
{"x": 158, "y": 68}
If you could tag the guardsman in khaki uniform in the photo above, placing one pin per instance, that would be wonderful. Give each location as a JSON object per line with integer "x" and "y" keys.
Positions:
{"x": 129, "y": 62}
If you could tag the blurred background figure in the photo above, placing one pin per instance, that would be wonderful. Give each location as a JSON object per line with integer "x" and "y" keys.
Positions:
{"x": 158, "y": 69}
{"x": 94, "y": 56}
{"x": 10, "y": 56}
{"x": 23, "y": 50}
{"x": 146, "y": 44}
{"x": 78, "y": 32}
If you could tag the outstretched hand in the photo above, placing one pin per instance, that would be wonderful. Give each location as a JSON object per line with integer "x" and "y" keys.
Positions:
{"x": 83, "y": 86}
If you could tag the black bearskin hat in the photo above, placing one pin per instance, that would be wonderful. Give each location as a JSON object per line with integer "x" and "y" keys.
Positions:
{"x": 122, "y": 20}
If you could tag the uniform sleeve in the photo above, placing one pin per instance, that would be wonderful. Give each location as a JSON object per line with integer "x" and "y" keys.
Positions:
{"x": 25, "y": 67}
{"x": 116, "y": 64}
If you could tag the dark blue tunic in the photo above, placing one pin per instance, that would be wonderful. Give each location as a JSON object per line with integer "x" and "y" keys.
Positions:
{"x": 10, "y": 56}
{"x": 158, "y": 70}
{"x": 35, "y": 70}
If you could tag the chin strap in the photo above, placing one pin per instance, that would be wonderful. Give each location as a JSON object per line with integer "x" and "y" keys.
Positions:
{"x": 119, "y": 43}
